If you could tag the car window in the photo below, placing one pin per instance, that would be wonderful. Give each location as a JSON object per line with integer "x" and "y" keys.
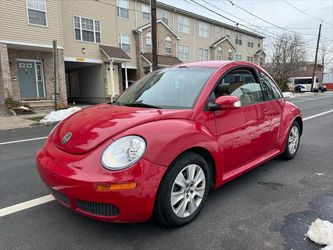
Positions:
{"x": 270, "y": 89}
{"x": 240, "y": 83}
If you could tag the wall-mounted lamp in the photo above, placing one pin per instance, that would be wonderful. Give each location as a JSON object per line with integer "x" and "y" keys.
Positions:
{"x": 83, "y": 50}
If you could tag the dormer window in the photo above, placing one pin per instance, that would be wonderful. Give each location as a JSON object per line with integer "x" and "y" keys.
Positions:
{"x": 148, "y": 41}
{"x": 219, "y": 53}
{"x": 168, "y": 45}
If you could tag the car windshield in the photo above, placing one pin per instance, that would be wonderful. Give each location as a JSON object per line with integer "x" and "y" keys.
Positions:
{"x": 171, "y": 88}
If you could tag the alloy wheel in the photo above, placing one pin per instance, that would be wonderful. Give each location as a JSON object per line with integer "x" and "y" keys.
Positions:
{"x": 188, "y": 190}
{"x": 293, "y": 140}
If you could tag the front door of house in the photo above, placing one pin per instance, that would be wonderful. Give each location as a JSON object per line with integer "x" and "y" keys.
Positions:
{"x": 31, "y": 79}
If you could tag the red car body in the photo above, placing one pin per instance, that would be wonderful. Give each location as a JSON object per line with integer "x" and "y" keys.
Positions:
{"x": 234, "y": 140}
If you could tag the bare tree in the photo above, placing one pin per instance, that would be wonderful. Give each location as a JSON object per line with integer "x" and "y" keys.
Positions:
{"x": 326, "y": 55}
{"x": 288, "y": 56}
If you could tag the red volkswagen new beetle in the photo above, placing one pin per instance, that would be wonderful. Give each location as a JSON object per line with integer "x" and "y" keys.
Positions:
{"x": 167, "y": 141}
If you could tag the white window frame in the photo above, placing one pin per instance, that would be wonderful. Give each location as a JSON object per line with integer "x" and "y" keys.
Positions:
{"x": 184, "y": 52}
{"x": 121, "y": 7}
{"x": 219, "y": 53}
{"x": 239, "y": 57}
{"x": 250, "y": 59}
{"x": 165, "y": 16}
{"x": 148, "y": 41}
{"x": 46, "y": 19}
{"x": 230, "y": 55}
{"x": 250, "y": 42}
{"x": 203, "y": 54}
{"x": 145, "y": 9}
{"x": 183, "y": 24}
{"x": 94, "y": 30}
{"x": 168, "y": 45}
{"x": 203, "y": 29}
{"x": 120, "y": 43}
{"x": 238, "y": 39}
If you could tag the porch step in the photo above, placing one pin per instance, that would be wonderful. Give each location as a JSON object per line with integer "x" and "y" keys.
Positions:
{"x": 40, "y": 103}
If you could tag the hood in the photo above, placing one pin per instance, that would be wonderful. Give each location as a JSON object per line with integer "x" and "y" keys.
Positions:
{"x": 90, "y": 127}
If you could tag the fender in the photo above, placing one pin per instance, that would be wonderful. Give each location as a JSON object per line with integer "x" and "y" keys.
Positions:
{"x": 290, "y": 113}
{"x": 167, "y": 139}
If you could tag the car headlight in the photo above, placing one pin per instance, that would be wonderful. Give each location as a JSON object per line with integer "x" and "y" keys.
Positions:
{"x": 123, "y": 152}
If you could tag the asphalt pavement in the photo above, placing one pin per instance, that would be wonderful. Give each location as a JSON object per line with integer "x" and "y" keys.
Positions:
{"x": 270, "y": 207}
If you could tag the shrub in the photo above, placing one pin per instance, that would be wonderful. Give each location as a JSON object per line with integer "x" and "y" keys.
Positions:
{"x": 11, "y": 103}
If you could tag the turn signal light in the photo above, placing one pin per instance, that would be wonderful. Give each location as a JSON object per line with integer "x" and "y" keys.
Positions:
{"x": 114, "y": 187}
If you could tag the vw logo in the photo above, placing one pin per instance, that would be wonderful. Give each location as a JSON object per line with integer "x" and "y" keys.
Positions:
{"x": 66, "y": 138}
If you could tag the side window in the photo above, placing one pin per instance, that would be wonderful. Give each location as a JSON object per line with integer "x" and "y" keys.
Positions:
{"x": 271, "y": 91}
{"x": 240, "y": 83}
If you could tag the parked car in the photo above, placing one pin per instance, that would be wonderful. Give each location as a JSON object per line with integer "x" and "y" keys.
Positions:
{"x": 173, "y": 136}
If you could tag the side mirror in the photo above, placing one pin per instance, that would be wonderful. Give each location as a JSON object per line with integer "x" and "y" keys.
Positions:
{"x": 225, "y": 102}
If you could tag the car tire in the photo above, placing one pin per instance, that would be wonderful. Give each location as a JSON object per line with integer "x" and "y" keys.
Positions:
{"x": 292, "y": 142}
{"x": 178, "y": 200}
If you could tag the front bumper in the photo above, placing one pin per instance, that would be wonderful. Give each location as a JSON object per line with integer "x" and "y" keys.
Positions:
{"x": 73, "y": 180}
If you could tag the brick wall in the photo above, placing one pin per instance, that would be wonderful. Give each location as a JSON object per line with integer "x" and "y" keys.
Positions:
{"x": 162, "y": 33}
{"x": 225, "y": 51}
{"x": 5, "y": 81}
{"x": 46, "y": 58}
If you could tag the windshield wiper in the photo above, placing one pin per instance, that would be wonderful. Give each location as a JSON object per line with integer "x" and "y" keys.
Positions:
{"x": 140, "y": 104}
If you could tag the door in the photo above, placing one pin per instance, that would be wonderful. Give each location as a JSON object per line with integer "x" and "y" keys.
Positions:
{"x": 275, "y": 102}
{"x": 31, "y": 79}
{"x": 240, "y": 131}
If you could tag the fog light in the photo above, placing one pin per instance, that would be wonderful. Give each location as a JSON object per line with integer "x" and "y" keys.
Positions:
{"x": 114, "y": 187}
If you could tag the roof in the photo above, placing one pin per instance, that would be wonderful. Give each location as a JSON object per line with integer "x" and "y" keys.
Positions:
{"x": 221, "y": 40}
{"x": 114, "y": 53}
{"x": 162, "y": 59}
{"x": 202, "y": 18}
{"x": 260, "y": 52}
{"x": 141, "y": 28}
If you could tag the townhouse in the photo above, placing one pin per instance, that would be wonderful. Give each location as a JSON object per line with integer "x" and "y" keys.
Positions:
{"x": 104, "y": 46}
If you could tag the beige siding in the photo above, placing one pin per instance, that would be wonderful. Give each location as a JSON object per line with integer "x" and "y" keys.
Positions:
{"x": 111, "y": 26}
{"x": 14, "y": 24}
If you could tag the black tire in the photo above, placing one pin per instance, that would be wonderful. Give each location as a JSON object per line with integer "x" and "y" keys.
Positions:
{"x": 163, "y": 208}
{"x": 290, "y": 154}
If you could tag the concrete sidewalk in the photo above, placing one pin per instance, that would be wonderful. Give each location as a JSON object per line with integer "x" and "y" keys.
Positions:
{"x": 20, "y": 121}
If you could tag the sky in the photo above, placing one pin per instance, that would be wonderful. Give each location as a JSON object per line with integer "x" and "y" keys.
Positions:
{"x": 282, "y": 13}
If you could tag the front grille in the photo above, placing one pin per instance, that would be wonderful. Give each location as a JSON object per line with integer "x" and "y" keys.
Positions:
{"x": 63, "y": 198}
{"x": 96, "y": 208}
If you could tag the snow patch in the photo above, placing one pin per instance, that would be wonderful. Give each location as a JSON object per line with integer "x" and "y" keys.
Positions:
{"x": 321, "y": 232}
{"x": 56, "y": 116}
{"x": 24, "y": 108}
{"x": 288, "y": 95}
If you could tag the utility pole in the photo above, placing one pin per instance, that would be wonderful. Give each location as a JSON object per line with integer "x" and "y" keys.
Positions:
{"x": 315, "y": 62}
{"x": 55, "y": 71}
{"x": 153, "y": 34}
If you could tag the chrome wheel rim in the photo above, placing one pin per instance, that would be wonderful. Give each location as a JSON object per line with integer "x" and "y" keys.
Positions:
{"x": 188, "y": 190}
{"x": 293, "y": 139}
